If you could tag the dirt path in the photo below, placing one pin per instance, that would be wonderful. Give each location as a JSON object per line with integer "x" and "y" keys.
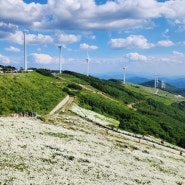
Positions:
{"x": 131, "y": 105}
{"x": 64, "y": 104}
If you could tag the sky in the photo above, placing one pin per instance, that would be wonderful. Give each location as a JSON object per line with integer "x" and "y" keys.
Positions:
{"x": 145, "y": 36}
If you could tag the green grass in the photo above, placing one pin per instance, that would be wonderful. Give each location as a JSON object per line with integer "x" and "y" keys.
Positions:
{"x": 163, "y": 96}
{"x": 68, "y": 77}
{"x": 155, "y": 115}
{"x": 28, "y": 92}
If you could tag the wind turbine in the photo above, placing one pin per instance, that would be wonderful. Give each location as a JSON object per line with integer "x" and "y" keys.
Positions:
{"x": 156, "y": 81}
{"x": 156, "y": 84}
{"x": 163, "y": 84}
{"x": 60, "y": 62}
{"x": 25, "y": 59}
{"x": 87, "y": 60}
{"x": 124, "y": 74}
{"x": 124, "y": 67}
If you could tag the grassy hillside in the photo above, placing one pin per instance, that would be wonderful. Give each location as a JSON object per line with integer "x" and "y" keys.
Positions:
{"x": 28, "y": 92}
{"x": 135, "y": 107}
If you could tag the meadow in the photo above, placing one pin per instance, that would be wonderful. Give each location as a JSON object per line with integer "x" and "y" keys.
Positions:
{"x": 71, "y": 150}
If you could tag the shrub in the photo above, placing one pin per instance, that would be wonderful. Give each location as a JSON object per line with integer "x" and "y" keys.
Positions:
{"x": 44, "y": 72}
{"x": 74, "y": 86}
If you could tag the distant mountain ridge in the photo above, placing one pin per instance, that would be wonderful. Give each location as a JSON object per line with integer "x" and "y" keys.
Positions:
{"x": 168, "y": 87}
{"x": 177, "y": 81}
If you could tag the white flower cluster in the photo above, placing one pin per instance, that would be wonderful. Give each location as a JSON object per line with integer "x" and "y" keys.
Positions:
{"x": 35, "y": 153}
{"x": 93, "y": 116}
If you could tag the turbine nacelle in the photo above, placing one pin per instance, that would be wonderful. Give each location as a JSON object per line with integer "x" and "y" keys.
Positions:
{"x": 124, "y": 68}
{"x": 87, "y": 59}
{"x": 24, "y": 31}
{"x": 61, "y": 46}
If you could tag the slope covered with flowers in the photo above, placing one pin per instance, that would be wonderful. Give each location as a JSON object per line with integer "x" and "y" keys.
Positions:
{"x": 73, "y": 151}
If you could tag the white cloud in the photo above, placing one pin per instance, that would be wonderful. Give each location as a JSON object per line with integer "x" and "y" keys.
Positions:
{"x": 93, "y": 37}
{"x": 41, "y": 58}
{"x": 4, "y": 59}
{"x": 12, "y": 49}
{"x": 181, "y": 27}
{"x": 6, "y": 29}
{"x": 68, "y": 38}
{"x": 137, "y": 41}
{"x": 112, "y": 15}
{"x": 136, "y": 57}
{"x": 39, "y": 39}
{"x": 88, "y": 47}
{"x": 165, "y": 43}
{"x": 39, "y": 49}
{"x": 173, "y": 9}
{"x": 133, "y": 41}
{"x": 183, "y": 43}
{"x": 18, "y": 38}
{"x": 180, "y": 54}
{"x": 87, "y": 15}
{"x": 18, "y": 12}
{"x": 165, "y": 33}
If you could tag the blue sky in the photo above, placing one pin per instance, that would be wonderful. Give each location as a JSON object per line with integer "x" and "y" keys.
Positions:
{"x": 147, "y": 36}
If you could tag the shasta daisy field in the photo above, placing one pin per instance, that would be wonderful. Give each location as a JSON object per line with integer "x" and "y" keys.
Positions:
{"x": 68, "y": 149}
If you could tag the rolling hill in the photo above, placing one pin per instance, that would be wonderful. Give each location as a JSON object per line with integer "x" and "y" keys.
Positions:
{"x": 88, "y": 131}
{"x": 135, "y": 107}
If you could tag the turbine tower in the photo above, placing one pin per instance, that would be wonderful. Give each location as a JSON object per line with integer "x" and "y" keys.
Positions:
{"x": 87, "y": 60}
{"x": 25, "y": 59}
{"x": 124, "y": 67}
{"x": 163, "y": 84}
{"x": 124, "y": 74}
{"x": 156, "y": 81}
{"x": 156, "y": 84}
{"x": 60, "y": 62}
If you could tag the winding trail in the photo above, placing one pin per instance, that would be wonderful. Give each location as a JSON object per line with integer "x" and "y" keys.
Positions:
{"x": 131, "y": 105}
